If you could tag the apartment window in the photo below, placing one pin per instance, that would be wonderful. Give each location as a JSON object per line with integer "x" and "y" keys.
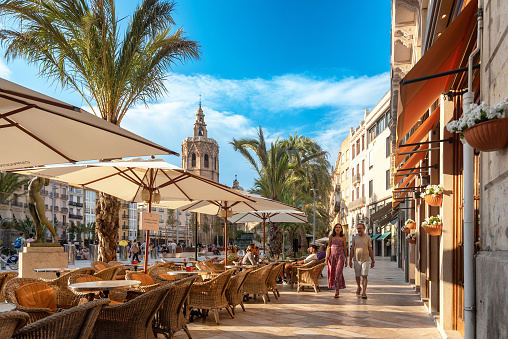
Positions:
{"x": 357, "y": 146}
{"x": 371, "y": 188}
{"x": 388, "y": 147}
{"x": 357, "y": 192}
{"x": 379, "y": 126}
{"x": 352, "y": 195}
{"x": 388, "y": 182}
{"x": 352, "y": 172}
{"x": 347, "y": 171}
{"x": 358, "y": 168}
{"x": 363, "y": 166}
{"x": 363, "y": 142}
{"x": 353, "y": 149}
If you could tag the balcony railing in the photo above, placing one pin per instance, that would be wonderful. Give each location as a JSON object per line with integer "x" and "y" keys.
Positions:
{"x": 125, "y": 227}
{"x": 360, "y": 202}
{"x": 75, "y": 216}
{"x": 125, "y": 216}
{"x": 72, "y": 203}
{"x": 44, "y": 192}
{"x": 16, "y": 203}
{"x": 357, "y": 178}
{"x": 79, "y": 204}
{"x": 56, "y": 208}
{"x": 125, "y": 205}
{"x": 65, "y": 210}
{"x": 64, "y": 196}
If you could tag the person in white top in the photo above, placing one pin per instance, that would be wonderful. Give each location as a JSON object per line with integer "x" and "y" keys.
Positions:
{"x": 173, "y": 247}
{"x": 312, "y": 256}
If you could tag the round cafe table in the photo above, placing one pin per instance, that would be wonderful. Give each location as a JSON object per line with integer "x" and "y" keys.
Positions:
{"x": 6, "y": 307}
{"x": 57, "y": 271}
{"x": 194, "y": 272}
{"x": 103, "y": 285}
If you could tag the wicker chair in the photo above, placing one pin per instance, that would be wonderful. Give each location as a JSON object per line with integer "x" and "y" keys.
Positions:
{"x": 4, "y": 278}
{"x": 211, "y": 295}
{"x": 109, "y": 273}
{"x": 132, "y": 319}
{"x": 76, "y": 322}
{"x": 63, "y": 298}
{"x": 10, "y": 322}
{"x": 271, "y": 282}
{"x": 255, "y": 283}
{"x": 294, "y": 270}
{"x": 170, "y": 318}
{"x": 118, "y": 296}
{"x": 93, "y": 264}
{"x": 63, "y": 280}
{"x": 147, "y": 282}
{"x": 159, "y": 275}
{"x": 234, "y": 292}
{"x": 309, "y": 277}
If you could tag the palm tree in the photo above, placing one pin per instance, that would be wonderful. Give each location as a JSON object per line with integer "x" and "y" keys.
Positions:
{"x": 10, "y": 183}
{"x": 81, "y": 45}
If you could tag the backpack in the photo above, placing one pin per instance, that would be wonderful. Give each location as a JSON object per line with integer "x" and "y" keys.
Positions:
{"x": 17, "y": 244}
{"x": 135, "y": 249}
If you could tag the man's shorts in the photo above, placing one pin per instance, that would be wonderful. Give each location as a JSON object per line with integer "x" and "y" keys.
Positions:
{"x": 361, "y": 268}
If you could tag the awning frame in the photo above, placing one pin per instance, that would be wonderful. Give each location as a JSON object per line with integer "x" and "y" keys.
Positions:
{"x": 437, "y": 75}
{"x": 450, "y": 140}
{"x": 420, "y": 150}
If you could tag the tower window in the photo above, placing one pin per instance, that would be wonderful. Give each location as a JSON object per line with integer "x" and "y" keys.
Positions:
{"x": 193, "y": 159}
{"x": 206, "y": 160}
{"x": 200, "y": 133}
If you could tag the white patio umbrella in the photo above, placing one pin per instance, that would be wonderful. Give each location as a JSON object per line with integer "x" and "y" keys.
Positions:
{"x": 40, "y": 130}
{"x": 140, "y": 181}
{"x": 273, "y": 216}
{"x": 226, "y": 208}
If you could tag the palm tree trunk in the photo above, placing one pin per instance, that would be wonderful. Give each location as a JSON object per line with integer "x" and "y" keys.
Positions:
{"x": 275, "y": 239}
{"x": 107, "y": 224}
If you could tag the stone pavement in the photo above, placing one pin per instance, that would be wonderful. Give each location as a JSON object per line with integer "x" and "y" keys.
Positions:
{"x": 393, "y": 310}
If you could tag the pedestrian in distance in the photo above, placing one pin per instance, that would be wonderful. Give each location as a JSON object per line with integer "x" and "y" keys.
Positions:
{"x": 336, "y": 259}
{"x": 361, "y": 249}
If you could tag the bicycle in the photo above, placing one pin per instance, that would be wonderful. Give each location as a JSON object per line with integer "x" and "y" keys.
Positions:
{"x": 9, "y": 257}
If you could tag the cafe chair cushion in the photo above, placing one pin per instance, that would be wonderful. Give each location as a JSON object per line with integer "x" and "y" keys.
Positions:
{"x": 166, "y": 276}
{"x": 100, "y": 267}
{"x": 144, "y": 278}
{"x": 36, "y": 295}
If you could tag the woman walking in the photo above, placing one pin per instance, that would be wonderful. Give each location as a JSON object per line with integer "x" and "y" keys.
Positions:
{"x": 336, "y": 259}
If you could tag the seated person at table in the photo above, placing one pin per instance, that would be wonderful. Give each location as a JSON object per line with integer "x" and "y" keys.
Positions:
{"x": 248, "y": 258}
{"x": 321, "y": 254}
{"x": 312, "y": 256}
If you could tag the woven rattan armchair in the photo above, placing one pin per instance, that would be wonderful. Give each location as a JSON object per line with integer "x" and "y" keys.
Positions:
{"x": 132, "y": 319}
{"x": 10, "y": 322}
{"x": 160, "y": 276}
{"x": 4, "y": 278}
{"x": 211, "y": 295}
{"x": 271, "y": 281}
{"x": 170, "y": 318}
{"x": 255, "y": 283}
{"x": 109, "y": 273}
{"x": 118, "y": 296}
{"x": 294, "y": 270}
{"x": 63, "y": 280}
{"x": 76, "y": 322}
{"x": 63, "y": 299}
{"x": 103, "y": 263}
{"x": 145, "y": 287}
{"x": 309, "y": 277}
{"x": 234, "y": 291}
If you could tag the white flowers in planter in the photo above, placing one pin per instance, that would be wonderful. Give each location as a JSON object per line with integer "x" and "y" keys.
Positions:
{"x": 410, "y": 221}
{"x": 476, "y": 114}
{"x": 411, "y": 236}
{"x": 435, "y": 220}
{"x": 432, "y": 189}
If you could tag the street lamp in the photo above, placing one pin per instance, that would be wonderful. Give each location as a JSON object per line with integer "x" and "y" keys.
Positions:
{"x": 314, "y": 223}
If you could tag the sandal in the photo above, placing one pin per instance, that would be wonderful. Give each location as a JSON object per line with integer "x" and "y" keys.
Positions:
{"x": 358, "y": 291}
{"x": 336, "y": 295}
{"x": 364, "y": 296}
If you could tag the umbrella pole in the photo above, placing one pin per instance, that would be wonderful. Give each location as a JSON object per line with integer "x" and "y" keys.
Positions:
{"x": 147, "y": 246}
{"x": 264, "y": 238}
{"x": 196, "y": 235}
{"x": 226, "y": 239}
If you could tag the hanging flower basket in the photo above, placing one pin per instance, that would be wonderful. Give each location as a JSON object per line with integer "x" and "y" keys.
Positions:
{"x": 488, "y": 136}
{"x": 411, "y": 241}
{"x": 411, "y": 238}
{"x": 434, "y": 199}
{"x": 411, "y": 225}
{"x": 407, "y": 230}
{"x": 433, "y": 230}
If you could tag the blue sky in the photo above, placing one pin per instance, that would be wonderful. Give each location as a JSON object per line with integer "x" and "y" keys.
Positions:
{"x": 310, "y": 67}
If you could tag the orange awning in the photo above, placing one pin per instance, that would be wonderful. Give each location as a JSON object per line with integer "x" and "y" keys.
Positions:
{"x": 418, "y": 136}
{"x": 414, "y": 159}
{"x": 397, "y": 199}
{"x": 444, "y": 55}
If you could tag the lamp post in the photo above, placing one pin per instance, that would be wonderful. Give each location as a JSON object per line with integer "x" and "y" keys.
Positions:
{"x": 314, "y": 223}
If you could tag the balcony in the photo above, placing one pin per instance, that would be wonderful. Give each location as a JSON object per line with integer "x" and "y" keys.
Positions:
{"x": 125, "y": 227}
{"x": 65, "y": 224}
{"x": 44, "y": 192}
{"x": 356, "y": 179}
{"x": 56, "y": 195}
{"x": 65, "y": 210}
{"x": 125, "y": 216}
{"x": 77, "y": 204}
{"x": 337, "y": 207}
{"x": 64, "y": 196}
{"x": 125, "y": 205}
{"x": 358, "y": 203}
{"x": 75, "y": 216}
{"x": 56, "y": 208}
{"x": 17, "y": 204}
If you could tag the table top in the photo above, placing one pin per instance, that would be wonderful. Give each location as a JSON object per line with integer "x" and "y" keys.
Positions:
{"x": 53, "y": 269}
{"x": 240, "y": 266}
{"x": 104, "y": 285}
{"x": 6, "y": 307}
{"x": 189, "y": 273}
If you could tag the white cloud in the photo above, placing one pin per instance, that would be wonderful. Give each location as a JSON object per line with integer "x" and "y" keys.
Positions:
{"x": 5, "y": 72}
{"x": 235, "y": 109}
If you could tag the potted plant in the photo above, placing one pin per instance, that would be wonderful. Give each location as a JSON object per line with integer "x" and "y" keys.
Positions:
{"x": 433, "y": 225}
{"x": 433, "y": 195}
{"x": 405, "y": 229}
{"x": 483, "y": 127}
{"x": 410, "y": 223}
{"x": 411, "y": 238}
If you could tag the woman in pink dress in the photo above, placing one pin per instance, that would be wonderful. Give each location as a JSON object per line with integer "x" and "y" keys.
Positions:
{"x": 336, "y": 259}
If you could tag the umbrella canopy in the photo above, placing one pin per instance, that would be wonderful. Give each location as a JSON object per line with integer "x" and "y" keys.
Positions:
{"x": 42, "y": 130}
{"x": 126, "y": 180}
{"x": 226, "y": 208}
{"x": 273, "y": 216}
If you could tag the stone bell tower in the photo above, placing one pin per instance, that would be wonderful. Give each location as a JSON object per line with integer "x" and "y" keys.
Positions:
{"x": 200, "y": 154}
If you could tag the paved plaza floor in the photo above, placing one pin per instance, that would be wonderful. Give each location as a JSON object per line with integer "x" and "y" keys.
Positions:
{"x": 393, "y": 310}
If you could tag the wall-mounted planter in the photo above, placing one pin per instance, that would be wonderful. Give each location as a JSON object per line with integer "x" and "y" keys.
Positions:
{"x": 411, "y": 241}
{"x": 488, "y": 136}
{"x": 411, "y": 226}
{"x": 407, "y": 230}
{"x": 434, "y": 199}
{"x": 434, "y": 230}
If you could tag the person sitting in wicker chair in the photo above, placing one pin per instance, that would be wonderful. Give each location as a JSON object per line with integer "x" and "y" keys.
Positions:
{"x": 313, "y": 256}
{"x": 38, "y": 298}
{"x": 248, "y": 258}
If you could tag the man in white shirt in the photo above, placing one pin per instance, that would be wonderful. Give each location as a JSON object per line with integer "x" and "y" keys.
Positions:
{"x": 173, "y": 248}
{"x": 312, "y": 256}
